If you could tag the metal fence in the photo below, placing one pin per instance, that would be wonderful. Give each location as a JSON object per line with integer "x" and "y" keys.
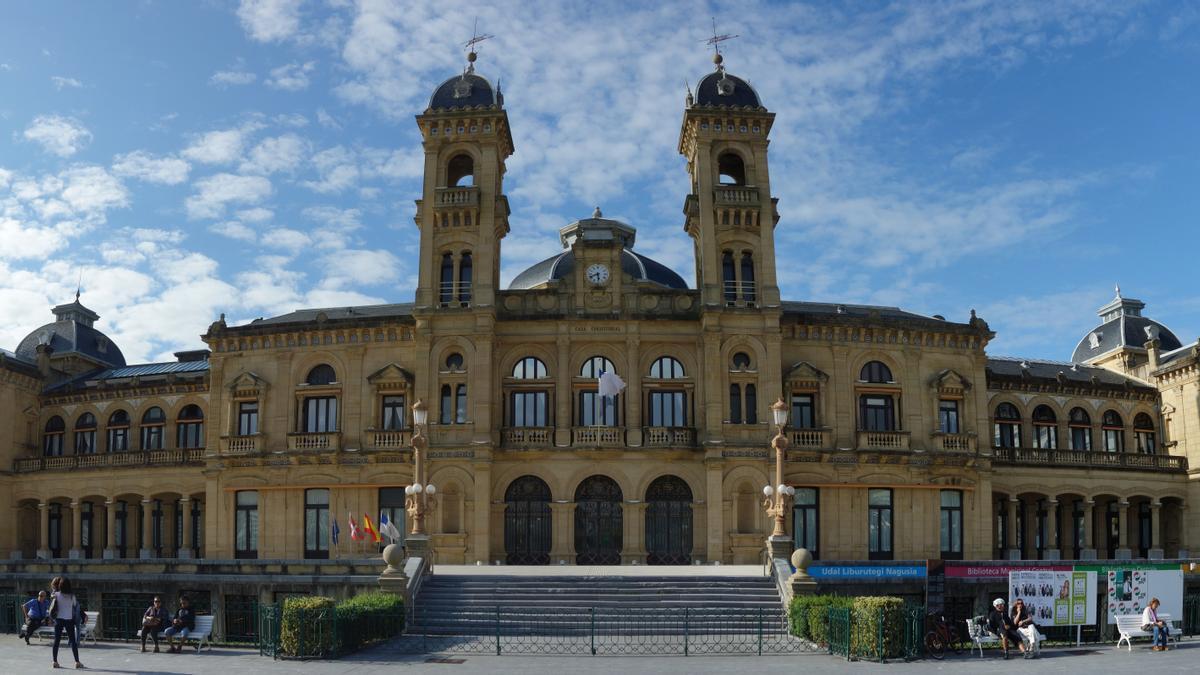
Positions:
{"x": 877, "y": 634}
{"x": 121, "y": 614}
{"x": 322, "y": 632}
{"x": 11, "y": 617}
{"x": 241, "y": 619}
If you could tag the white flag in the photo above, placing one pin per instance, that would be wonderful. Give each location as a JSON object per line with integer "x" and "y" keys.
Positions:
{"x": 610, "y": 384}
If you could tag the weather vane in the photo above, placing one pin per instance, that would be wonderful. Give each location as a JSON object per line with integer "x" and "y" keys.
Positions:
{"x": 716, "y": 41}
{"x": 476, "y": 38}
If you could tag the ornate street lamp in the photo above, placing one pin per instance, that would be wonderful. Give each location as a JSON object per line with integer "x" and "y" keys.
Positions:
{"x": 775, "y": 498}
{"x": 420, "y": 497}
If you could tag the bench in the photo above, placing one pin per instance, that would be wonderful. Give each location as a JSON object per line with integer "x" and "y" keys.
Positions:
{"x": 87, "y": 630}
{"x": 1129, "y": 626}
{"x": 980, "y": 636}
{"x": 201, "y": 633}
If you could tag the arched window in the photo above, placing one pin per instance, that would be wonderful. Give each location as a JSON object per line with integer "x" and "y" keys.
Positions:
{"x": 748, "y": 290}
{"x": 153, "y": 422}
{"x": 595, "y": 410}
{"x": 85, "y": 434}
{"x": 530, "y": 368}
{"x": 1008, "y": 426}
{"x": 464, "y": 278}
{"x": 729, "y": 276}
{"x": 321, "y": 375}
{"x": 1143, "y": 434}
{"x": 735, "y": 403}
{"x": 875, "y": 372}
{"x": 1045, "y": 428}
{"x": 731, "y": 168}
{"x": 667, "y": 368}
{"x": 52, "y": 438}
{"x": 1080, "y": 423}
{"x": 189, "y": 427}
{"x": 454, "y": 363}
{"x": 446, "y": 289}
{"x": 740, "y": 362}
{"x": 594, "y": 366}
{"x": 460, "y": 171}
{"x": 118, "y": 431}
{"x": 1113, "y": 430}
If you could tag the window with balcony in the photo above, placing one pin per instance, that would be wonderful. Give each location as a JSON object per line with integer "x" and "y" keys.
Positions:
{"x": 464, "y": 278}
{"x": 1113, "y": 431}
{"x": 247, "y": 418}
{"x": 52, "y": 437}
{"x": 1143, "y": 434}
{"x": 952, "y": 524}
{"x": 154, "y": 421}
{"x": 85, "y": 434}
{"x": 667, "y": 399}
{"x": 594, "y": 410}
{"x": 729, "y": 276}
{"x": 316, "y": 523}
{"x": 879, "y": 524}
{"x": 948, "y": 416}
{"x": 1008, "y": 426}
{"x": 804, "y": 411}
{"x": 731, "y": 169}
{"x": 118, "y": 431}
{"x": 189, "y": 427}
{"x": 749, "y": 292}
{"x": 1080, "y": 424}
{"x": 446, "y": 290}
{"x": 806, "y": 520}
{"x": 392, "y": 414}
{"x": 245, "y": 524}
{"x": 877, "y": 404}
{"x": 319, "y": 412}
{"x": 1045, "y": 428}
{"x": 460, "y": 171}
{"x": 529, "y": 406}
{"x": 743, "y": 404}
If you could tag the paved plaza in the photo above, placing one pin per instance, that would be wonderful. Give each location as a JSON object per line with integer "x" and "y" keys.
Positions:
{"x": 15, "y": 657}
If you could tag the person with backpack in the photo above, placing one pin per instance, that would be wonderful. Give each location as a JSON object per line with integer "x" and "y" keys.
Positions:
{"x": 67, "y": 616}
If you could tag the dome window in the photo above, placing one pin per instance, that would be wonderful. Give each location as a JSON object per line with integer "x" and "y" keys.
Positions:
{"x": 454, "y": 362}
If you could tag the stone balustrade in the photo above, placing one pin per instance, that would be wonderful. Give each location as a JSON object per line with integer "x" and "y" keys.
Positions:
{"x": 598, "y": 436}
{"x": 669, "y": 437}
{"x": 241, "y": 445}
{"x": 1089, "y": 459}
{"x": 954, "y": 442}
{"x": 883, "y": 440}
{"x": 527, "y": 437}
{"x": 811, "y": 439}
{"x": 314, "y": 442}
{"x": 139, "y": 458}
{"x": 397, "y": 439}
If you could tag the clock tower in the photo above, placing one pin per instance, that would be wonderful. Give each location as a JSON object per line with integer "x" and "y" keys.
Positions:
{"x": 596, "y": 246}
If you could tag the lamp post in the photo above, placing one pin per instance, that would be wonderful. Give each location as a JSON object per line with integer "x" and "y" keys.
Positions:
{"x": 420, "y": 496}
{"x": 775, "y": 498}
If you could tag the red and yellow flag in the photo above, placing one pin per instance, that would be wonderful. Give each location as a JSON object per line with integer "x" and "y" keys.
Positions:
{"x": 370, "y": 529}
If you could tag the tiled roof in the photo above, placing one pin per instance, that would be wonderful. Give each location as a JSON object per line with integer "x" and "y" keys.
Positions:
{"x": 336, "y": 314}
{"x": 1009, "y": 366}
{"x": 127, "y": 372}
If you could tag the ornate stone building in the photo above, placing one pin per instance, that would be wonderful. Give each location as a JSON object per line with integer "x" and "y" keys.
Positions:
{"x": 906, "y": 440}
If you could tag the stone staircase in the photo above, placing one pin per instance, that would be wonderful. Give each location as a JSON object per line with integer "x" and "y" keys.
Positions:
{"x": 607, "y": 605}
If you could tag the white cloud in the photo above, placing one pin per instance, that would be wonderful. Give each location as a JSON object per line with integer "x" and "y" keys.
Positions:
{"x": 291, "y": 77}
{"x": 62, "y": 136}
{"x": 219, "y": 147}
{"x": 288, "y": 240}
{"x": 91, "y": 189}
{"x": 214, "y": 193}
{"x": 326, "y": 120}
{"x": 235, "y": 230}
{"x": 61, "y": 83}
{"x": 228, "y": 78}
{"x": 338, "y": 169}
{"x": 144, "y": 166}
{"x": 255, "y": 215}
{"x": 270, "y": 20}
{"x": 280, "y": 153}
{"x": 351, "y": 267}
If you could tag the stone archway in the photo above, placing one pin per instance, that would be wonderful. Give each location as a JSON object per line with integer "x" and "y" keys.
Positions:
{"x": 527, "y": 522}
{"x": 668, "y": 522}
{"x": 598, "y": 522}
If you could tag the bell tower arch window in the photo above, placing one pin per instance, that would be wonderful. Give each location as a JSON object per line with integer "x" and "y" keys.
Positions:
{"x": 460, "y": 171}
{"x": 731, "y": 169}
{"x": 446, "y": 287}
{"x": 729, "y": 277}
{"x": 748, "y": 293}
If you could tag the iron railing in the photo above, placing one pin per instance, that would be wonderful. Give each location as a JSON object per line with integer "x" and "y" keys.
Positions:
{"x": 241, "y": 619}
{"x": 11, "y": 617}
{"x": 324, "y": 632}
{"x": 839, "y": 632}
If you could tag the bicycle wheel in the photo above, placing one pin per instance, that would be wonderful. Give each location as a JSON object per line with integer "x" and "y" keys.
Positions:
{"x": 956, "y": 641}
{"x": 935, "y": 645}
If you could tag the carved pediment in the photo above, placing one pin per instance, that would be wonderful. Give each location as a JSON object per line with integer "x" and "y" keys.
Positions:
{"x": 803, "y": 371}
{"x": 247, "y": 381}
{"x": 950, "y": 379}
{"x": 391, "y": 376}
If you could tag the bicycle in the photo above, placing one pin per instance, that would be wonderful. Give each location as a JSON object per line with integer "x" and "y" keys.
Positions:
{"x": 943, "y": 635}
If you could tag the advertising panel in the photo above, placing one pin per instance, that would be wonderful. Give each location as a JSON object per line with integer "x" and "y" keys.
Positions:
{"x": 1055, "y": 597}
{"x": 1130, "y": 590}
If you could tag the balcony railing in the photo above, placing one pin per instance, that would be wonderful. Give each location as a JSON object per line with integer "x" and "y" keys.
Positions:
{"x": 527, "y": 437}
{"x": 736, "y": 195}
{"x": 454, "y": 294}
{"x": 1086, "y": 459}
{"x": 172, "y": 457}
{"x": 456, "y": 196}
{"x": 241, "y": 445}
{"x": 954, "y": 442}
{"x": 669, "y": 437}
{"x": 398, "y": 439}
{"x": 608, "y": 437}
{"x": 740, "y": 293}
{"x": 883, "y": 440}
{"x": 811, "y": 439}
{"x": 314, "y": 442}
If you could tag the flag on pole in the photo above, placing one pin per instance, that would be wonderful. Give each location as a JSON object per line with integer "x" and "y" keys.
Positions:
{"x": 370, "y": 529}
{"x": 355, "y": 533}
{"x": 334, "y": 532}
{"x": 390, "y": 529}
{"x": 610, "y": 384}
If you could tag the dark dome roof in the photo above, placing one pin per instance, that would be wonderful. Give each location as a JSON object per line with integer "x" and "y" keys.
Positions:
{"x": 465, "y": 91}
{"x": 1123, "y": 326}
{"x": 635, "y": 265}
{"x": 737, "y": 92}
{"x": 72, "y": 337}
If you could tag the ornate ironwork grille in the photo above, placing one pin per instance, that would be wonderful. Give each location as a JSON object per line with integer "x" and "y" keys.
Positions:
{"x": 668, "y": 522}
{"x": 598, "y": 522}
{"x": 527, "y": 522}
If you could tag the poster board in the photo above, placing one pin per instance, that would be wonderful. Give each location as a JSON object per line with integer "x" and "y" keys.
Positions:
{"x": 1130, "y": 590}
{"x": 1055, "y": 597}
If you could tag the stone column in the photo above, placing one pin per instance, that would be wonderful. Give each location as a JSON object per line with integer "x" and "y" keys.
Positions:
{"x": 1088, "y": 552}
{"x": 43, "y": 549}
{"x": 561, "y": 546}
{"x": 1123, "y": 551}
{"x": 635, "y": 532}
{"x": 714, "y": 499}
{"x": 563, "y": 394}
{"x": 1011, "y": 531}
{"x": 1030, "y": 550}
{"x": 76, "y": 551}
{"x": 481, "y": 531}
{"x": 1183, "y": 532}
{"x": 147, "y": 530}
{"x": 185, "y": 545}
{"x": 110, "y": 529}
{"x": 1052, "y": 551}
{"x": 1156, "y": 550}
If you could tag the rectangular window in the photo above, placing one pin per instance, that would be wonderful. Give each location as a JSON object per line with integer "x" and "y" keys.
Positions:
{"x": 1045, "y": 436}
{"x": 118, "y": 439}
{"x": 1077, "y": 527}
{"x": 1008, "y": 435}
{"x": 316, "y": 523}
{"x": 189, "y": 435}
{"x": 952, "y": 524}
{"x": 1081, "y": 438}
{"x": 156, "y": 528}
{"x": 55, "y": 525}
{"x": 393, "y": 413}
{"x": 598, "y": 411}
{"x": 948, "y": 416}
{"x": 247, "y": 418}
{"x": 1144, "y": 441}
{"x": 460, "y": 404}
{"x": 85, "y": 442}
{"x": 391, "y": 504}
{"x": 528, "y": 409}
{"x": 805, "y": 519}
{"x": 804, "y": 411}
{"x": 1112, "y": 440}
{"x": 320, "y": 414}
{"x": 53, "y": 445}
{"x": 152, "y": 437}
{"x": 447, "y": 406}
{"x": 245, "y": 524}
{"x": 668, "y": 409}
{"x": 735, "y": 404}
{"x": 121, "y": 527}
{"x": 879, "y": 524}
{"x": 878, "y": 413}
{"x": 1144, "y": 525}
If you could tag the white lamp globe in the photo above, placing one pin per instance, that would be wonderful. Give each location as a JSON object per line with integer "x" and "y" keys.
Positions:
{"x": 781, "y": 489}
{"x": 418, "y": 488}
{"x": 430, "y": 490}
{"x": 791, "y": 491}
{"x": 768, "y": 490}
{"x": 408, "y": 490}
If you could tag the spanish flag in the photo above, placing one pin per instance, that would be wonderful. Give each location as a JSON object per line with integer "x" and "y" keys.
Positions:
{"x": 370, "y": 529}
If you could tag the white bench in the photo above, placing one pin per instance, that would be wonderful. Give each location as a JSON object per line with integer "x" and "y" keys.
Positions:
{"x": 1129, "y": 626}
{"x": 201, "y": 633}
{"x": 980, "y": 636}
{"x": 87, "y": 630}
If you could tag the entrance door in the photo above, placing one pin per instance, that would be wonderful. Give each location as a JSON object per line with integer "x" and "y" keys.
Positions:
{"x": 668, "y": 522}
{"x": 527, "y": 522}
{"x": 598, "y": 522}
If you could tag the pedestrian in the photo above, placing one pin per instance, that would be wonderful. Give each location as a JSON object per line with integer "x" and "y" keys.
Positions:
{"x": 1000, "y": 624}
{"x": 37, "y": 614}
{"x": 1151, "y": 622}
{"x": 64, "y": 609}
{"x": 153, "y": 621}
{"x": 182, "y": 625}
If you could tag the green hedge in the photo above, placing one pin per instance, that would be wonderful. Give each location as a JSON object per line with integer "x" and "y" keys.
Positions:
{"x": 808, "y": 615}
{"x": 877, "y": 627}
{"x": 306, "y": 627}
{"x": 316, "y": 627}
{"x": 368, "y": 618}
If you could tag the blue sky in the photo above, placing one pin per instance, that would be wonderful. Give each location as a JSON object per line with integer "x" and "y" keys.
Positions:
{"x": 253, "y": 157}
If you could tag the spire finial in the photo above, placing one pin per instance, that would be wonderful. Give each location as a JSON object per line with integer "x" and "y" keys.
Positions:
{"x": 597, "y": 214}
{"x": 79, "y": 286}
{"x": 1118, "y": 290}
{"x": 716, "y": 41}
{"x": 476, "y": 38}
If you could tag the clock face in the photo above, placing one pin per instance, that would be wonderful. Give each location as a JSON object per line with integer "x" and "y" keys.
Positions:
{"x": 597, "y": 274}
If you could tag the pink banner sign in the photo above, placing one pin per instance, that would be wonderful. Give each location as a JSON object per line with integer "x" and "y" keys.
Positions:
{"x": 998, "y": 571}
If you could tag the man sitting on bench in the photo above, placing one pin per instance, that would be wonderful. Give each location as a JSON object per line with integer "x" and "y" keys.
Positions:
{"x": 183, "y": 623}
{"x": 1000, "y": 624}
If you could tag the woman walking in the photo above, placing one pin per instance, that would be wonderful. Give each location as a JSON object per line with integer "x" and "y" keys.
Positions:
{"x": 64, "y": 608}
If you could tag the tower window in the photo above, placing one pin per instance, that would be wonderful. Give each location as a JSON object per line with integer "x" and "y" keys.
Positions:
{"x": 464, "y": 276}
{"x": 460, "y": 171}
{"x": 731, "y": 169}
